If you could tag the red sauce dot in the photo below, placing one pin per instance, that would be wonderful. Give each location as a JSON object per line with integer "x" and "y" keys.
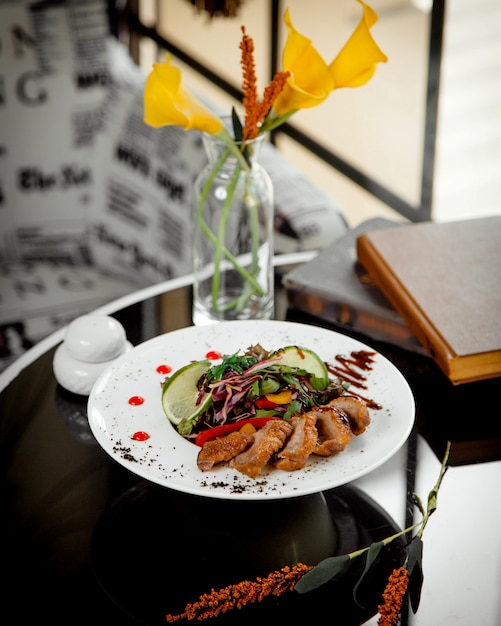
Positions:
{"x": 212, "y": 355}
{"x": 164, "y": 369}
{"x": 140, "y": 436}
{"x": 136, "y": 400}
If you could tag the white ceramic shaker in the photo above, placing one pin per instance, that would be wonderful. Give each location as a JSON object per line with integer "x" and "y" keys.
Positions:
{"x": 91, "y": 343}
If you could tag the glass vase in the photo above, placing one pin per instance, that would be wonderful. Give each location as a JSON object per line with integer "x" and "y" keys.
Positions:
{"x": 232, "y": 235}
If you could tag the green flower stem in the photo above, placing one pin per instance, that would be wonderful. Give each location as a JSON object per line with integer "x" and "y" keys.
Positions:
{"x": 216, "y": 280}
{"x": 273, "y": 120}
{"x": 329, "y": 567}
{"x": 432, "y": 507}
{"x": 218, "y": 241}
{"x": 384, "y": 542}
{"x": 254, "y": 267}
{"x": 232, "y": 148}
{"x": 432, "y": 496}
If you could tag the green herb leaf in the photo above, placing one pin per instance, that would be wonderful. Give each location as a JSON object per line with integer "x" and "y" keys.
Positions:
{"x": 294, "y": 407}
{"x": 432, "y": 501}
{"x": 185, "y": 427}
{"x": 371, "y": 556}
{"x": 291, "y": 380}
{"x": 268, "y": 413}
{"x": 418, "y": 502}
{"x": 322, "y": 573}
{"x": 268, "y": 385}
{"x": 237, "y": 125}
{"x": 415, "y": 569}
{"x": 230, "y": 363}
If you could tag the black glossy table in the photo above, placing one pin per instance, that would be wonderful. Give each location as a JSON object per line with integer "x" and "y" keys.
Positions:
{"x": 86, "y": 541}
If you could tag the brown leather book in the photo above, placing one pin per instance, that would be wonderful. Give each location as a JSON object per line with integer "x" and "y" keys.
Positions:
{"x": 445, "y": 280}
{"x": 335, "y": 288}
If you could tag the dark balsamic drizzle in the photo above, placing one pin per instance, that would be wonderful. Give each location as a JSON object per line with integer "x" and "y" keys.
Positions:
{"x": 350, "y": 370}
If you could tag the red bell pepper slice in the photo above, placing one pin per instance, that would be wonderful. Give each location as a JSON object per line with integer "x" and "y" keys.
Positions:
{"x": 264, "y": 403}
{"x": 219, "y": 431}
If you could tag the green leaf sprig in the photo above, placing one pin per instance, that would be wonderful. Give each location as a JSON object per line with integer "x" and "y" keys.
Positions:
{"x": 330, "y": 567}
{"x": 230, "y": 363}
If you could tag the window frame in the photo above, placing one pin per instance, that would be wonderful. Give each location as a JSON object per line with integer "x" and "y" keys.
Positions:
{"x": 136, "y": 29}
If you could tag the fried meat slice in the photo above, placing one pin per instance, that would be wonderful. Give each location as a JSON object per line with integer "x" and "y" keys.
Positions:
{"x": 334, "y": 432}
{"x": 300, "y": 445}
{"x": 356, "y": 410}
{"x": 222, "y": 449}
{"x": 267, "y": 440}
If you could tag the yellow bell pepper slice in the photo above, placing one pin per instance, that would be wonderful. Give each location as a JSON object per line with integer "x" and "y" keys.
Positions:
{"x": 282, "y": 397}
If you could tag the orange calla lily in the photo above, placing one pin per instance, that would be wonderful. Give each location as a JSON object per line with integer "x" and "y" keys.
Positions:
{"x": 167, "y": 102}
{"x": 312, "y": 79}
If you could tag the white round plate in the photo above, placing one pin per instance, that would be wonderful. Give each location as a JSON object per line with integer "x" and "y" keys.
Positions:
{"x": 168, "y": 459}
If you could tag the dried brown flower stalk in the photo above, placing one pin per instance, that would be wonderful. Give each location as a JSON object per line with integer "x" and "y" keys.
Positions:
{"x": 280, "y": 581}
{"x": 249, "y": 81}
{"x": 393, "y": 596}
{"x": 256, "y": 111}
{"x": 238, "y": 595}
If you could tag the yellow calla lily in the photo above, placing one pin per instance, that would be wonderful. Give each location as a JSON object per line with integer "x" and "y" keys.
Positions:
{"x": 356, "y": 63}
{"x": 167, "y": 102}
{"x": 312, "y": 79}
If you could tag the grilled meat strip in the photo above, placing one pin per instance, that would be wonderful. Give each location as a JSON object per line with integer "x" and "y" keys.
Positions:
{"x": 222, "y": 449}
{"x": 324, "y": 430}
{"x": 333, "y": 428}
{"x": 267, "y": 440}
{"x": 300, "y": 445}
{"x": 356, "y": 411}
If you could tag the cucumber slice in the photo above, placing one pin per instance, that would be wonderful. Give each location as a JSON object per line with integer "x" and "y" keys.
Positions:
{"x": 303, "y": 358}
